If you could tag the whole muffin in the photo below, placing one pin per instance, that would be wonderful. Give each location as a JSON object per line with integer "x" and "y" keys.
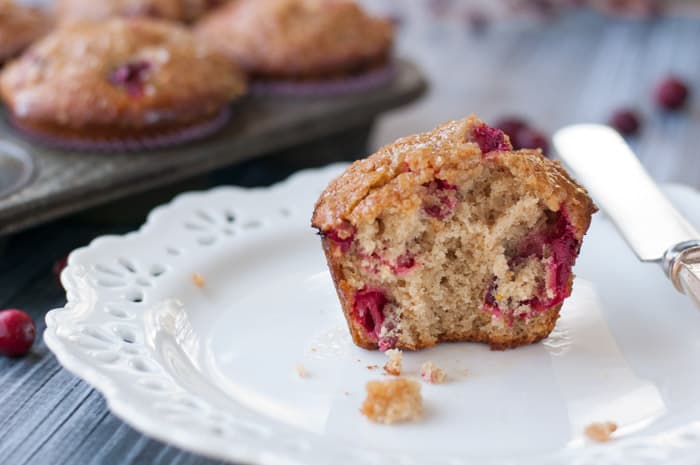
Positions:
{"x": 301, "y": 41}
{"x": 138, "y": 82}
{"x": 451, "y": 235}
{"x": 19, "y": 27}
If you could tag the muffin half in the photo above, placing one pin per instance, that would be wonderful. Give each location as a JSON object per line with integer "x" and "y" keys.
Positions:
{"x": 120, "y": 84}
{"x": 451, "y": 235}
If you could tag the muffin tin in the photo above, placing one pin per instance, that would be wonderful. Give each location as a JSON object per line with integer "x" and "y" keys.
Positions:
{"x": 67, "y": 182}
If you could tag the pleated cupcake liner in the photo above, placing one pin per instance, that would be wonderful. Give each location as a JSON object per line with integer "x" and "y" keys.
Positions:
{"x": 337, "y": 87}
{"x": 133, "y": 144}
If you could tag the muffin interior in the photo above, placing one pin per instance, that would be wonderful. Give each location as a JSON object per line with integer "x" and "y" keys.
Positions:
{"x": 482, "y": 261}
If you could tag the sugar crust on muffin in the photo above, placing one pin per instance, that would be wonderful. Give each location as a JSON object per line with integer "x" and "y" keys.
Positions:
{"x": 450, "y": 235}
{"x": 117, "y": 79}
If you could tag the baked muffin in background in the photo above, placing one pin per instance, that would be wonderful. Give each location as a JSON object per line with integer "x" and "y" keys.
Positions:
{"x": 95, "y": 10}
{"x": 303, "y": 46}
{"x": 19, "y": 27}
{"x": 192, "y": 10}
{"x": 120, "y": 84}
{"x": 72, "y": 11}
{"x": 451, "y": 235}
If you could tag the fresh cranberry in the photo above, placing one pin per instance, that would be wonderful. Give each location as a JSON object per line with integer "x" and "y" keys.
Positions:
{"x": 625, "y": 121}
{"x": 511, "y": 125}
{"x": 58, "y": 267}
{"x": 477, "y": 21}
{"x": 368, "y": 308}
{"x": 17, "y": 332}
{"x": 131, "y": 76}
{"x": 671, "y": 93}
{"x": 530, "y": 138}
{"x": 489, "y": 139}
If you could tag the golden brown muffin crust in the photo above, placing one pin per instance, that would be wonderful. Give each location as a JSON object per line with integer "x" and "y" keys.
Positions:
{"x": 388, "y": 177}
{"x": 19, "y": 27}
{"x": 72, "y": 11}
{"x": 67, "y": 80}
{"x": 298, "y": 38}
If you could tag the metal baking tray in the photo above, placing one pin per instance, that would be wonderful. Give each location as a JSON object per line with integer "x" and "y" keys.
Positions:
{"x": 66, "y": 182}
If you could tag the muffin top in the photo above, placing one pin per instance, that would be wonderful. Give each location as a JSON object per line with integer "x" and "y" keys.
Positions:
{"x": 195, "y": 9}
{"x": 298, "y": 39}
{"x": 127, "y": 72}
{"x": 450, "y": 152}
{"x": 19, "y": 26}
{"x": 70, "y": 11}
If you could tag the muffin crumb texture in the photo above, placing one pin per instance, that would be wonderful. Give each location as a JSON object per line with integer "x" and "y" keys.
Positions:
{"x": 600, "y": 432}
{"x": 394, "y": 362}
{"x": 198, "y": 280}
{"x": 451, "y": 235}
{"x": 393, "y": 401}
{"x": 432, "y": 374}
{"x": 301, "y": 371}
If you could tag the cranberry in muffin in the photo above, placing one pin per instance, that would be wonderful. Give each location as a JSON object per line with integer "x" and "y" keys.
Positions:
{"x": 136, "y": 80}
{"x": 302, "y": 45}
{"x": 19, "y": 27}
{"x": 451, "y": 235}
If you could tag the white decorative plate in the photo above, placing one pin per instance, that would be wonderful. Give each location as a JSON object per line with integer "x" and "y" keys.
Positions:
{"x": 212, "y": 369}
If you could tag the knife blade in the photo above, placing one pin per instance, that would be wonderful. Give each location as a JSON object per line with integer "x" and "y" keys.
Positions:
{"x": 606, "y": 166}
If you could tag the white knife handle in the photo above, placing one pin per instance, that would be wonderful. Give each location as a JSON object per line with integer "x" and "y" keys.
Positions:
{"x": 682, "y": 265}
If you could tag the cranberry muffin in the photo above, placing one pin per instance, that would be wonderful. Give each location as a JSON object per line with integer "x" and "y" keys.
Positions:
{"x": 139, "y": 82}
{"x": 292, "y": 46}
{"x": 451, "y": 235}
{"x": 19, "y": 27}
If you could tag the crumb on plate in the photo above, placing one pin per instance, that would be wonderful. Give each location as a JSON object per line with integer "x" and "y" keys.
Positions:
{"x": 198, "y": 279}
{"x": 432, "y": 374}
{"x": 393, "y": 400}
{"x": 600, "y": 432}
{"x": 393, "y": 365}
{"x": 301, "y": 371}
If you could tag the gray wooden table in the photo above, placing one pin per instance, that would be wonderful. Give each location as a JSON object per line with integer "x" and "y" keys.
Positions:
{"x": 576, "y": 68}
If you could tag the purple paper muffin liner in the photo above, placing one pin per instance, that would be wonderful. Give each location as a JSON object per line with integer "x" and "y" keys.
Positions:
{"x": 348, "y": 85}
{"x": 135, "y": 144}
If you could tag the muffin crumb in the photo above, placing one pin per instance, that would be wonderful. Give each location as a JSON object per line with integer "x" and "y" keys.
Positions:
{"x": 198, "y": 280}
{"x": 393, "y": 365}
{"x": 600, "y": 432}
{"x": 432, "y": 374}
{"x": 301, "y": 371}
{"x": 392, "y": 401}
{"x": 372, "y": 367}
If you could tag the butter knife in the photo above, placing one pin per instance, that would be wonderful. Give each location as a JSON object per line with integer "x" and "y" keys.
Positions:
{"x": 601, "y": 160}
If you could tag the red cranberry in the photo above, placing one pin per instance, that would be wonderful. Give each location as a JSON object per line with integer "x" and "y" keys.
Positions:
{"x": 58, "y": 267}
{"x": 625, "y": 121}
{"x": 442, "y": 199}
{"x": 511, "y": 125}
{"x": 17, "y": 332}
{"x": 369, "y": 310}
{"x": 529, "y": 138}
{"x": 404, "y": 264}
{"x": 131, "y": 76}
{"x": 342, "y": 236}
{"x": 489, "y": 139}
{"x": 671, "y": 93}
